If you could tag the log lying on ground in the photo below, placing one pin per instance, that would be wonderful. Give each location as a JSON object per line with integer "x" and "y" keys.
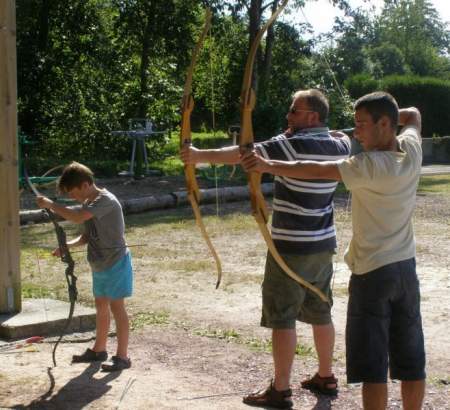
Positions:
{"x": 155, "y": 202}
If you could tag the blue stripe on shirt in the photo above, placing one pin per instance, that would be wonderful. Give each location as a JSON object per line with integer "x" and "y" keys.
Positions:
{"x": 303, "y": 209}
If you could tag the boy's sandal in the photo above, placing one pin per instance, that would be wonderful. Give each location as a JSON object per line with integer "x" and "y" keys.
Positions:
{"x": 270, "y": 398}
{"x": 322, "y": 385}
{"x": 117, "y": 364}
{"x": 90, "y": 356}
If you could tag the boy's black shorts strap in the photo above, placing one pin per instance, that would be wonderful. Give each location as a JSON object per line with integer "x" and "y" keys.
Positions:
{"x": 384, "y": 325}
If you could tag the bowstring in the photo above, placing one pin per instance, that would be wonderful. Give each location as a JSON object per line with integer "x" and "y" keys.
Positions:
{"x": 213, "y": 111}
{"x": 345, "y": 97}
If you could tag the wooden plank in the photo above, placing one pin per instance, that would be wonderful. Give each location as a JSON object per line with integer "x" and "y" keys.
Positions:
{"x": 10, "y": 291}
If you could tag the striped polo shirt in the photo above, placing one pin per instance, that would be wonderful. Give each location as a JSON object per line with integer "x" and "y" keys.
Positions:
{"x": 302, "y": 219}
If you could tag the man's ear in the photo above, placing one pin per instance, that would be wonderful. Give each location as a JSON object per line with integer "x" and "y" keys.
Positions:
{"x": 385, "y": 123}
{"x": 315, "y": 118}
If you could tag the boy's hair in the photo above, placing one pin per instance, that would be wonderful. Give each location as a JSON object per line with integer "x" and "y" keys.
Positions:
{"x": 378, "y": 104}
{"x": 73, "y": 176}
{"x": 316, "y": 101}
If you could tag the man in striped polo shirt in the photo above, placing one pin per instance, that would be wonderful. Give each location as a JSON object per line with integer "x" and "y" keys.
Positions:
{"x": 304, "y": 234}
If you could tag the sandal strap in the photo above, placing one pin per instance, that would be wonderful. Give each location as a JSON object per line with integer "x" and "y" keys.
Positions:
{"x": 324, "y": 385}
{"x": 270, "y": 397}
{"x": 321, "y": 380}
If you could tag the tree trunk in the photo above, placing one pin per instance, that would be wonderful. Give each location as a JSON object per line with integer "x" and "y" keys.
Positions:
{"x": 142, "y": 107}
{"x": 254, "y": 25}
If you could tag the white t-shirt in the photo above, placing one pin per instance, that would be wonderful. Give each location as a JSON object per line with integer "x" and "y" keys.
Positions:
{"x": 383, "y": 186}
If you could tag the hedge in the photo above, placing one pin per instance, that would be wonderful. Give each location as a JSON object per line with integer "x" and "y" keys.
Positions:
{"x": 430, "y": 95}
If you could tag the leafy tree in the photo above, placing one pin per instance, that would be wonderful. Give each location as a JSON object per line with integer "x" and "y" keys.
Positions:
{"x": 157, "y": 37}
{"x": 352, "y": 35}
{"x": 218, "y": 78}
{"x": 290, "y": 72}
{"x": 67, "y": 86}
{"x": 386, "y": 59}
{"x": 415, "y": 28}
{"x": 85, "y": 67}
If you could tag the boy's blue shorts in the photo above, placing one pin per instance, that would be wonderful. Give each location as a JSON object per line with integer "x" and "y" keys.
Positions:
{"x": 384, "y": 325}
{"x": 115, "y": 282}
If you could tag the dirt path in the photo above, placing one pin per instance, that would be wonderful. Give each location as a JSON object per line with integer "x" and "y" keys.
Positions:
{"x": 172, "y": 369}
{"x": 197, "y": 348}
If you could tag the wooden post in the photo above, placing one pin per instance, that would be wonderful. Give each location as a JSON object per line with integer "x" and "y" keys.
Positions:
{"x": 10, "y": 291}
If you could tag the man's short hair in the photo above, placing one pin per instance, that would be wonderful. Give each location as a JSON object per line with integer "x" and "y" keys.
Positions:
{"x": 316, "y": 102}
{"x": 73, "y": 176}
{"x": 378, "y": 104}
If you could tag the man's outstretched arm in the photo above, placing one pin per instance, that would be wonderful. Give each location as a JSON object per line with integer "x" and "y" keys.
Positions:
{"x": 226, "y": 155}
{"x": 253, "y": 162}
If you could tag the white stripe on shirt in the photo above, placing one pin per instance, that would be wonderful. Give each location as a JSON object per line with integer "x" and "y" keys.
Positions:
{"x": 317, "y": 189}
{"x": 285, "y": 206}
{"x": 303, "y": 236}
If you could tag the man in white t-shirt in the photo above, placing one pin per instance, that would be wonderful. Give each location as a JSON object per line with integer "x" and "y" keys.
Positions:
{"x": 384, "y": 326}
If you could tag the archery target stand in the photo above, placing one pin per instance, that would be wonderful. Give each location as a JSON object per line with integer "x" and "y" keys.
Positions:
{"x": 45, "y": 317}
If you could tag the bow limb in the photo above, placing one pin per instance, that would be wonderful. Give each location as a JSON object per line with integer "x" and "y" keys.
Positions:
{"x": 259, "y": 207}
{"x": 66, "y": 258}
{"x": 187, "y": 105}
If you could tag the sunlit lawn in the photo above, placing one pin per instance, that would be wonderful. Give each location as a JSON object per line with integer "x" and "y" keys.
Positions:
{"x": 167, "y": 237}
{"x": 437, "y": 184}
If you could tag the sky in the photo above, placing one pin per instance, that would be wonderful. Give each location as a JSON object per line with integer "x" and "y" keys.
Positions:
{"x": 321, "y": 13}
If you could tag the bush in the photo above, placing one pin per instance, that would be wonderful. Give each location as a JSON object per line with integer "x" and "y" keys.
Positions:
{"x": 430, "y": 95}
{"x": 361, "y": 84}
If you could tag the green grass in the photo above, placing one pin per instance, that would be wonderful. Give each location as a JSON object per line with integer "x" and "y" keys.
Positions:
{"x": 142, "y": 319}
{"x": 168, "y": 166}
{"x": 258, "y": 344}
{"x": 33, "y": 291}
{"x": 341, "y": 189}
{"x": 437, "y": 184}
{"x": 304, "y": 351}
{"x": 210, "y": 139}
{"x": 171, "y": 163}
{"x": 232, "y": 336}
{"x": 229, "y": 335}
{"x": 439, "y": 381}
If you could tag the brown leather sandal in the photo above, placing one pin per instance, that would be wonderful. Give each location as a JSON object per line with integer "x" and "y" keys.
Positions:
{"x": 270, "y": 398}
{"x": 322, "y": 385}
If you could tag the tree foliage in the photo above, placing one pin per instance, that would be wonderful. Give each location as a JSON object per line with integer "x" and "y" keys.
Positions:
{"x": 86, "y": 66}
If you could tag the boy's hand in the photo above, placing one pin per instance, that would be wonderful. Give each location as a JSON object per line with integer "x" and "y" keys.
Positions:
{"x": 57, "y": 252}
{"x": 251, "y": 161}
{"x": 189, "y": 154}
{"x": 44, "y": 202}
